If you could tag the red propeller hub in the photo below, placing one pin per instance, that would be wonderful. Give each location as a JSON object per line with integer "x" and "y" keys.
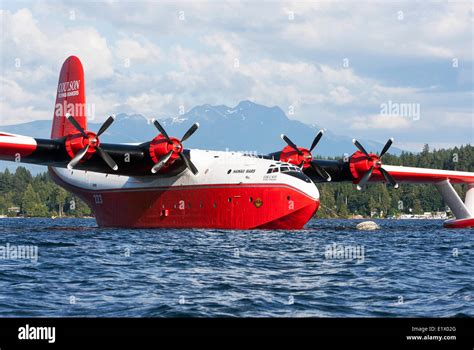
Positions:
{"x": 75, "y": 142}
{"x": 359, "y": 164}
{"x": 160, "y": 146}
{"x": 289, "y": 155}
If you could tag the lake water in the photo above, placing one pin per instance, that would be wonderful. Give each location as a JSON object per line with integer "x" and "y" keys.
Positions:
{"x": 330, "y": 269}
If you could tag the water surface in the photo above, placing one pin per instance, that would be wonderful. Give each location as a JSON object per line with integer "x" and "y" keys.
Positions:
{"x": 408, "y": 268}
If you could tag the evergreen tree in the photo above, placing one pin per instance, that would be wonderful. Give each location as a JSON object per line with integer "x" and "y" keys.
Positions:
{"x": 29, "y": 201}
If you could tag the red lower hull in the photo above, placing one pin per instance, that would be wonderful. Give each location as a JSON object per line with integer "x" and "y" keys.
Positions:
{"x": 245, "y": 206}
{"x": 461, "y": 223}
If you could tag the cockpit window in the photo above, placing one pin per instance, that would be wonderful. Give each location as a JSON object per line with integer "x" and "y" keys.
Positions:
{"x": 290, "y": 168}
{"x": 272, "y": 170}
{"x": 286, "y": 168}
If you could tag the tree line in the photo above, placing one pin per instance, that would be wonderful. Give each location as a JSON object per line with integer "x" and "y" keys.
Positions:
{"x": 36, "y": 196}
{"x": 40, "y": 196}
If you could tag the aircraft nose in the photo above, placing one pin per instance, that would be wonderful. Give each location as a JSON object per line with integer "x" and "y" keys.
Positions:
{"x": 308, "y": 187}
{"x": 313, "y": 191}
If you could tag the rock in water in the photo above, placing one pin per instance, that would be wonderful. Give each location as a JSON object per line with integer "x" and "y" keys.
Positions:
{"x": 367, "y": 226}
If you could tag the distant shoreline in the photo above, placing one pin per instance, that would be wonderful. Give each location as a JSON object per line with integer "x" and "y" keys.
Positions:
{"x": 45, "y": 217}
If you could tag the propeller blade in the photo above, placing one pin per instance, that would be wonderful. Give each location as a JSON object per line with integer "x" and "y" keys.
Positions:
{"x": 316, "y": 140}
{"x": 77, "y": 158}
{"x": 190, "y": 131}
{"x": 161, "y": 162}
{"x": 189, "y": 164}
{"x": 161, "y": 129}
{"x": 386, "y": 147}
{"x": 365, "y": 178}
{"x": 291, "y": 144}
{"x": 107, "y": 158}
{"x": 76, "y": 125}
{"x": 106, "y": 125}
{"x": 359, "y": 146}
{"x": 323, "y": 173}
{"x": 389, "y": 178}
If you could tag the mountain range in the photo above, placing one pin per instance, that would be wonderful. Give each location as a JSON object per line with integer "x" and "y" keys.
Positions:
{"x": 247, "y": 127}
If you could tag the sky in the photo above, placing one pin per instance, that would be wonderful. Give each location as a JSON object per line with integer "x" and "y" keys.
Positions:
{"x": 366, "y": 69}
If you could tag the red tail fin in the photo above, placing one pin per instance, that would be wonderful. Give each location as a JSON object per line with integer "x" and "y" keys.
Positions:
{"x": 70, "y": 98}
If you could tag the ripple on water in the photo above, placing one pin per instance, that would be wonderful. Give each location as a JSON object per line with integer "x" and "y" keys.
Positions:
{"x": 409, "y": 268}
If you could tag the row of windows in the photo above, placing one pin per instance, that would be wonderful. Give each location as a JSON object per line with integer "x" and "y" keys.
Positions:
{"x": 274, "y": 169}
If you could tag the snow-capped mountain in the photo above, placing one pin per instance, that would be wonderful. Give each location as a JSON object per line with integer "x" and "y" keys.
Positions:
{"x": 248, "y": 127}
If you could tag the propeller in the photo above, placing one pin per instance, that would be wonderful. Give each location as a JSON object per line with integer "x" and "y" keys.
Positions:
{"x": 291, "y": 144}
{"x": 177, "y": 148}
{"x": 161, "y": 162}
{"x": 376, "y": 162}
{"x": 305, "y": 155}
{"x": 92, "y": 142}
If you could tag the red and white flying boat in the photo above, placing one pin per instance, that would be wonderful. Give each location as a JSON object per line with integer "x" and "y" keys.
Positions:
{"x": 161, "y": 184}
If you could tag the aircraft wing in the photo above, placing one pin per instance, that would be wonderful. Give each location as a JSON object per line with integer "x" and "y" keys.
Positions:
{"x": 362, "y": 175}
{"x": 341, "y": 171}
{"x": 131, "y": 160}
{"x": 363, "y": 168}
{"x": 414, "y": 175}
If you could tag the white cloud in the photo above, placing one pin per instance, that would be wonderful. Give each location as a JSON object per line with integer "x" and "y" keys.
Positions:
{"x": 28, "y": 89}
{"x": 226, "y": 52}
{"x": 25, "y": 40}
{"x": 22, "y": 30}
{"x": 91, "y": 47}
{"x": 149, "y": 103}
{"x": 14, "y": 93}
{"x": 15, "y": 115}
{"x": 18, "y": 104}
{"x": 137, "y": 50}
{"x": 458, "y": 119}
{"x": 381, "y": 122}
{"x": 397, "y": 29}
{"x": 101, "y": 105}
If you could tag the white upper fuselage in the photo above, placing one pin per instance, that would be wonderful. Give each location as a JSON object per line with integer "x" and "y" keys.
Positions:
{"x": 214, "y": 167}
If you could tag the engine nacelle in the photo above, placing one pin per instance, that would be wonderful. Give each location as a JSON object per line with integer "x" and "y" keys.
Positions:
{"x": 289, "y": 155}
{"x": 76, "y": 142}
{"x": 160, "y": 146}
{"x": 359, "y": 164}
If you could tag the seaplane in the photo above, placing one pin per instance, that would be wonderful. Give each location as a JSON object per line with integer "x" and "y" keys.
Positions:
{"x": 161, "y": 184}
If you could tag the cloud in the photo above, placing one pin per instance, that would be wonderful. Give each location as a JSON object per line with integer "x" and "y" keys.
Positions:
{"x": 400, "y": 29}
{"x": 137, "y": 50}
{"x": 149, "y": 104}
{"x": 93, "y": 49}
{"x": 18, "y": 104}
{"x": 381, "y": 122}
{"x": 29, "y": 43}
{"x": 288, "y": 54}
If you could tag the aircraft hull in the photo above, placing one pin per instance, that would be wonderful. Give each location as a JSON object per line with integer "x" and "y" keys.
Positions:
{"x": 459, "y": 223}
{"x": 233, "y": 206}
